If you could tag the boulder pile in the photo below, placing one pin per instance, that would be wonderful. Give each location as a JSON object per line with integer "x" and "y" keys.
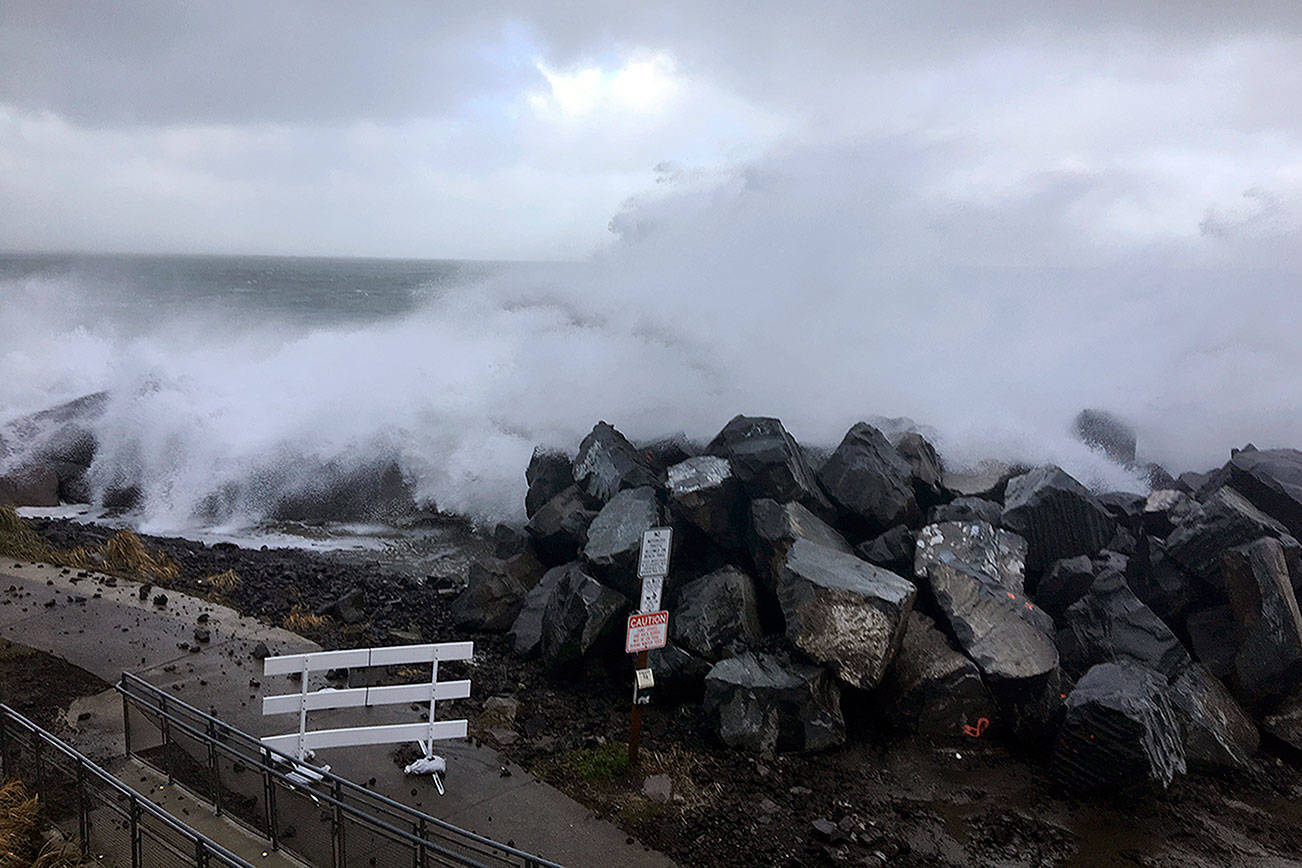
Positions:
{"x": 1128, "y": 637}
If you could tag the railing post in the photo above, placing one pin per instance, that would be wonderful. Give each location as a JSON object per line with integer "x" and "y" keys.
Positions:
{"x": 420, "y": 831}
{"x": 135, "y": 832}
{"x": 212, "y": 767}
{"x": 269, "y": 801}
{"x": 337, "y": 828}
{"x": 83, "y": 820}
{"x": 167, "y": 744}
{"x": 126, "y": 720}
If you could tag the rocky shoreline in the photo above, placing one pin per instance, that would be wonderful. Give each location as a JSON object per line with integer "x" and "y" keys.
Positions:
{"x": 869, "y": 661}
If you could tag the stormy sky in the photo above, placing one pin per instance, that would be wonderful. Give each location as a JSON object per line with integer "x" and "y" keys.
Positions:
{"x": 520, "y": 131}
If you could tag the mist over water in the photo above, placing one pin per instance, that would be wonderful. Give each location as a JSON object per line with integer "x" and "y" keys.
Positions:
{"x": 813, "y": 285}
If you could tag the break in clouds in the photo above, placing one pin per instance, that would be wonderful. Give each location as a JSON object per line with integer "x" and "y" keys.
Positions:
{"x": 984, "y": 222}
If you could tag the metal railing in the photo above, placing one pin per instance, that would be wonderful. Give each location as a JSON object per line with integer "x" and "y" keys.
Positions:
{"x": 291, "y": 805}
{"x": 113, "y": 820}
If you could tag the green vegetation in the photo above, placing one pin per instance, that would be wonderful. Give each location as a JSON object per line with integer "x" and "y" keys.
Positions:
{"x": 599, "y": 763}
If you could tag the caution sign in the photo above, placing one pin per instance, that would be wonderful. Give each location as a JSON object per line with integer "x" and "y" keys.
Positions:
{"x": 647, "y": 632}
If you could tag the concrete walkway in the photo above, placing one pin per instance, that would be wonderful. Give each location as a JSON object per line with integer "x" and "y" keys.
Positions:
{"x": 108, "y": 629}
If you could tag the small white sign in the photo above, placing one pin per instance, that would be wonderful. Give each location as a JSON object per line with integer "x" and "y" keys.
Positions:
{"x": 654, "y": 557}
{"x": 647, "y": 632}
{"x": 645, "y": 679}
{"x": 651, "y": 588}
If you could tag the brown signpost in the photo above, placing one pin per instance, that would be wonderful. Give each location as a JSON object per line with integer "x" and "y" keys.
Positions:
{"x": 649, "y": 628}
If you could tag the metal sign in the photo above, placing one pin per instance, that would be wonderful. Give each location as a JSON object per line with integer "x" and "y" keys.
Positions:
{"x": 651, "y": 588}
{"x": 653, "y": 559}
{"x": 424, "y": 733}
{"x": 647, "y": 632}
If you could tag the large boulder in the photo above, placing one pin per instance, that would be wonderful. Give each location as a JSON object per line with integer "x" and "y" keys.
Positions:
{"x": 1167, "y": 509}
{"x": 1218, "y": 735}
{"x": 764, "y": 703}
{"x": 492, "y": 599}
{"x": 1285, "y": 723}
{"x": 768, "y": 462}
{"x": 1226, "y": 520}
{"x": 1103, "y": 431}
{"x": 1056, "y": 515}
{"x": 559, "y": 529}
{"x": 966, "y": 508}
{"x": 581, "y": 618}
{"x": 607, "y": 464}
{"x": 1214, "y": 637}
{"x": 615, "y": 536}
{"x": 1272, "y": 480}
{"x": 1164, "y": 587}
{"x": 704, "y": 491}
{"x": 526, "y": 630}
{"x": 1110, "y": 625}
{"x": 1064, "y": 583}
{"x": 1119, "y": 729}
{"x": 973, "y": 573}
{"x": 679, "y": 675}
{"x": 549, "y": 473}
{"x": 925, "y": 467}
{"x": 715, "y": 611}
{"x": 892, "y": 550}
{"x": 870, "y": 482}
{"x": 932, "y": 689}
{"x": 775, "y": 526}
{"x": 843, "y": 612}
{"x": 1268, "y": 664}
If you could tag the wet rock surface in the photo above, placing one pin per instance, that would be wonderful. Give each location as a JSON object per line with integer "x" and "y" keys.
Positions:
{"x": 559, "y": 528}
{"x": 1056, "y": 515}
{"x": 1110, "y": 625}
{"x": 704, "y": 491}
{"x": 1272, "y": 480}
{"x": 607, "y": 464}
{"x": 763, "y": 703}
{"x": 1218, "y": 734}
{"x": 1268, "y": 663}
{"x": 492, "y": 599}
{"x": 768, "y": 462}
{"x": 582, "y": 618}
{"x": 870, "y": 482}
{"x": 1119, "y": 728}
{"x": 967, "y": 509}
{"x": 1226, "y": 520}
{"x": 615, "y": 536}
{"x": 933, "y": 689}
{"x": 776, "y": 526}
{"x": 549, "y": 473}
{"x": 714, "y": 612}
{"x": 843, "y": 612}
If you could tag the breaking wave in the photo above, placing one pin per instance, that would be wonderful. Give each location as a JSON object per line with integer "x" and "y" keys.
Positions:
{"x": 813, "y": 285}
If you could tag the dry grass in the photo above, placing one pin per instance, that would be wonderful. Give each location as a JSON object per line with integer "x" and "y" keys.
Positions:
{"x": 21, "y": 842}
{"x": 224, "y": 582}
{"x": 303, "y": 622}
{"x": 123, "y": 555}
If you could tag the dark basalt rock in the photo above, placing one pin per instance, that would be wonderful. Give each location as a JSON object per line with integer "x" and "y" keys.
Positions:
{"x": 509, "y": 541}
{"x": 347, "y": 609}
{"x": 1066, "y": 582}
{"x": 560, "y": 528}
{"x": 925, "y": 467}
{"x": 1163, "y": 587}
{"x": 492, "y": 599}
{"x": 1192, "y": 482}
{"x": 892, "y": 550}
{"x": 763, "y": 703}
{"x": 1268, "y": 664}
{"x": 549, "y": 473}
{"x": 1272, "y": 480}
{"x": 704, "y": 491}
{"x": 843, "y": 612}
{"x": 1125, "y": 506}
{"x": 665, "y": 452}
{"x": 30, "y": 485}
{"x": 679, "y": 676}
{"x": 974, "y": 576}
{"x": 932, "y": 689}
{"x": 1119, "y": 729}
{"x": 1106, "y": 433}
{"x": 768, "y": 462}
{"x": 581, "y": 618}
{"x": 1167, "y": 509}
{"x": 1218, "y": 735}
{"x": 967, "y": 509}
{"x": 715, "y": 611}
{"x": 775, "y": 526}
{"x": 1285, "y": 723}
{"x": 1215, "y": 638}
{"x": 1226, "y": 520}
{"x": 1110, "y": 625}
{"x": 870, "y": 482}
{"x": 615, "y": 536}
{"x": 526, "y": 631}
{"x": 1056, "y": 515}
{"x": 607, "y": 464}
